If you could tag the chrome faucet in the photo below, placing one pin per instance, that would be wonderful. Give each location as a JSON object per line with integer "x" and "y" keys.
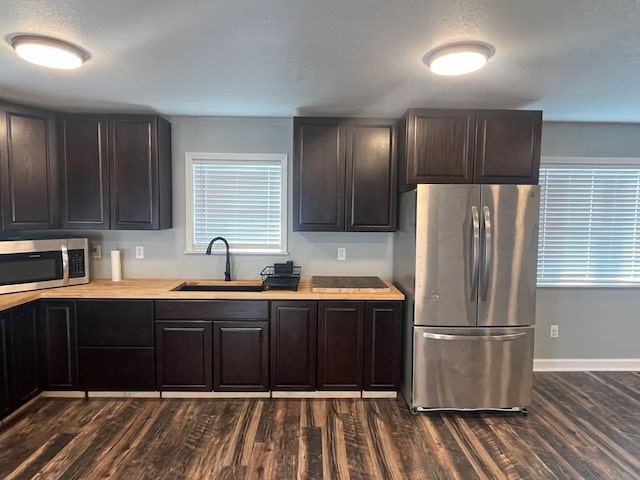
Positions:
{"x": 227, "y": 272}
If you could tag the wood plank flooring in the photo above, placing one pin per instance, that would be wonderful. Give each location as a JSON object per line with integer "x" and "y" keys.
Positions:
{"x": 580, "y": 426}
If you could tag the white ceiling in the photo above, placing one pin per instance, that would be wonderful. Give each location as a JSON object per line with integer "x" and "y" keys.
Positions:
{"x": 578, "y": 60}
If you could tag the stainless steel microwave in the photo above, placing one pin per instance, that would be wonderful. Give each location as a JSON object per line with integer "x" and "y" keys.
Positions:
{"x": 34, "y": 264}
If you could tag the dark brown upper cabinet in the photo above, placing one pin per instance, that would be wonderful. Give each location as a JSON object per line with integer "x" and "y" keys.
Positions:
{"x": 28, "y": 168}
{"x": 344, "y": 174}
{"x": 508, "y": 146}
{"x": 84, "y": 171}
{"x": 116, "y": 172}
{"x": 469, "y": 146}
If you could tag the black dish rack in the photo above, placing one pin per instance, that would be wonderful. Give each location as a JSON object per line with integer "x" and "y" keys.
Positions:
{"x": 281, "y": 276}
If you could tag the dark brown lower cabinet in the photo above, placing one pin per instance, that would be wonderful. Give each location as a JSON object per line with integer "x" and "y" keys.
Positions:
{"x": 58, "y": 345}
{"x": 293, "y": 345}
{"x": 116, "y": 369}
{"x": 116, "y": 345}
{"x": 23, "y": 354}
{"x": 4, "y": 363}
{"x": 184, "y": 355}
{"x": 382, "y": 346}
{"x": 340, "y": 341}
{"x": 240, "y": 356}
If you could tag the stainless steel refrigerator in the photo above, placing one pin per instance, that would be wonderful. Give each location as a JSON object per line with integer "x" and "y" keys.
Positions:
{"x": 465, "y": 257}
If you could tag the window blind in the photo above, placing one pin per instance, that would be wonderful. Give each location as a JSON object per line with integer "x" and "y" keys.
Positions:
{"x": 240, "y": 200}
{"x": 589, "y": 225}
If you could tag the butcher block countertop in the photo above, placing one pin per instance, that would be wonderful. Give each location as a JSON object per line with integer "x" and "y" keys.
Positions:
{"x": 162, "y": 289}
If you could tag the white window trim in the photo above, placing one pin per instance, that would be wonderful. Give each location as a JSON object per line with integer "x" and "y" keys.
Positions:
{"x": 608, "y": 162}
{"x": 189, "y": 159}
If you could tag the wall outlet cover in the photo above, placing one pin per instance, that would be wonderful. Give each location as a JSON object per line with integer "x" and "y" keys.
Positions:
{"x": 139, "y": 252}
{"x": 96, "y": 251}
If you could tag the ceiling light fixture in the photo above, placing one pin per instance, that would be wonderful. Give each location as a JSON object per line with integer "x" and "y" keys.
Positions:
{"x": 48, "y": 52}
{"x": 458, "y": 58}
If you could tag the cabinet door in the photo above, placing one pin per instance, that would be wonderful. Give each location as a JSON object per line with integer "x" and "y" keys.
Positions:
{"x": 371, "y": 155}
{"x": 140, "y": 160}
{"x": 4, "y": 363}
{"x": 84, "y": 171}
{"x": 183, "y": 355}
{"x": 382, "y": 346}
{"x": 23, "y": 349}
{"x": 293, "y": 345}
{"x": 508, "y": 146}
{"x": 439, "y": 146}
{"x": 240, "y": 356}
{"x": 340, "y": 332}
{"x": 28, "y": 168}
{"x": 318, "y": 174}
{"x": 58, "y": 345}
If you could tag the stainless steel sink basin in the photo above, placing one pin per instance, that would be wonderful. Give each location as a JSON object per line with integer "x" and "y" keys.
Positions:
{"x": 204, "y": 287}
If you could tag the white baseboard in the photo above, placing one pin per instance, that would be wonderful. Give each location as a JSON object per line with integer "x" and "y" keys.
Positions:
{"x": 585, "y": 364}
{"x": 378, "y": 394}
{"x": 62, "y": 394}
{"x": 316, "y": 394}
{"x": 227, "y": 395}
{"x": 123, "y": 394}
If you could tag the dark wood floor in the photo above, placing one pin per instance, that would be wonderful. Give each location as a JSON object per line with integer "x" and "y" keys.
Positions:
{"x": 580, "y": 426}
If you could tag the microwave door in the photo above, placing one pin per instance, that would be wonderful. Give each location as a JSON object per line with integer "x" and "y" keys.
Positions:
{"x": 25, "y": 271}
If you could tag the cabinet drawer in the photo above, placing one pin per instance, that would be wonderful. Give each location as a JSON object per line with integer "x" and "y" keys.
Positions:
{"x": 117, "y": 369}
{"x": 212, "y": 309}
{"x": 112, "y": 323}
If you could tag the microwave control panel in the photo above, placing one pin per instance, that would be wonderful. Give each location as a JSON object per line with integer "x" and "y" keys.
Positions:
{"x": 76, "y": 264}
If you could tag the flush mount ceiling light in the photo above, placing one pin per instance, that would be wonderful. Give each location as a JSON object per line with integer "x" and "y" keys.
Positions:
{"x": 458, "y": 58}
{"x": 48, "y": 52}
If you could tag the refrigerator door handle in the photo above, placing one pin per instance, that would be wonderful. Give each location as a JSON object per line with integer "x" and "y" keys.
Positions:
{"x": 495, "y": 338}
{"x": 488, "y": 252}
{"x": 475, "y": 251}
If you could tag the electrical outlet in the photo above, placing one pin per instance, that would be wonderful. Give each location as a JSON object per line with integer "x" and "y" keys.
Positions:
{"x": 553, "y": 331}
{"x": 139, "y": 252}
{"x": 342, "y": 254}
{"x": 96, "y": 251}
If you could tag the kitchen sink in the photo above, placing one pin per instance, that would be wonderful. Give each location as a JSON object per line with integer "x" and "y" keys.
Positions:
{"x": 204, "y": 287}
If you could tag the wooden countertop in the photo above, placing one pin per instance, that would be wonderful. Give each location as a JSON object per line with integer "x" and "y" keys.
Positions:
{"x": 162, "y": 289}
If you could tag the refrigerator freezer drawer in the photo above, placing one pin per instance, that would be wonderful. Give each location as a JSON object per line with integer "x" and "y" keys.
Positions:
{"x": 469, "y": 368}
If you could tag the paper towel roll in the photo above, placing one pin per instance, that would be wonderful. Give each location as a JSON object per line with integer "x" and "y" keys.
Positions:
{"x": 116, "y": 266}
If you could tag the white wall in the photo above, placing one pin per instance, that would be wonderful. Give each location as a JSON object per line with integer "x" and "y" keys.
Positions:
{"x": 594, "y": 323}
{"x": 367, "y": 253}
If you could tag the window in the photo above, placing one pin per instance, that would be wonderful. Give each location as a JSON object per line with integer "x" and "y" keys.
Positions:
{"x": 589, "y": 222}
{"x": 241, "y": 197}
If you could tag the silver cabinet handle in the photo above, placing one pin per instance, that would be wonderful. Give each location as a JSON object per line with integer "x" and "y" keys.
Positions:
{"x": 475, "y": 250}
{"x": 65, "y": 264}
{"x": 488, "y": 252}
{"x": 493, "y": 338}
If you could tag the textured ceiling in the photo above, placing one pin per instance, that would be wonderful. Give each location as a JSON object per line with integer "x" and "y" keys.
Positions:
{"x": 577, "y": 60}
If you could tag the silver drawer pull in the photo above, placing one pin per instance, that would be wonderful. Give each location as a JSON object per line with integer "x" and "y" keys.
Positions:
{"x": 494, "y": 338}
